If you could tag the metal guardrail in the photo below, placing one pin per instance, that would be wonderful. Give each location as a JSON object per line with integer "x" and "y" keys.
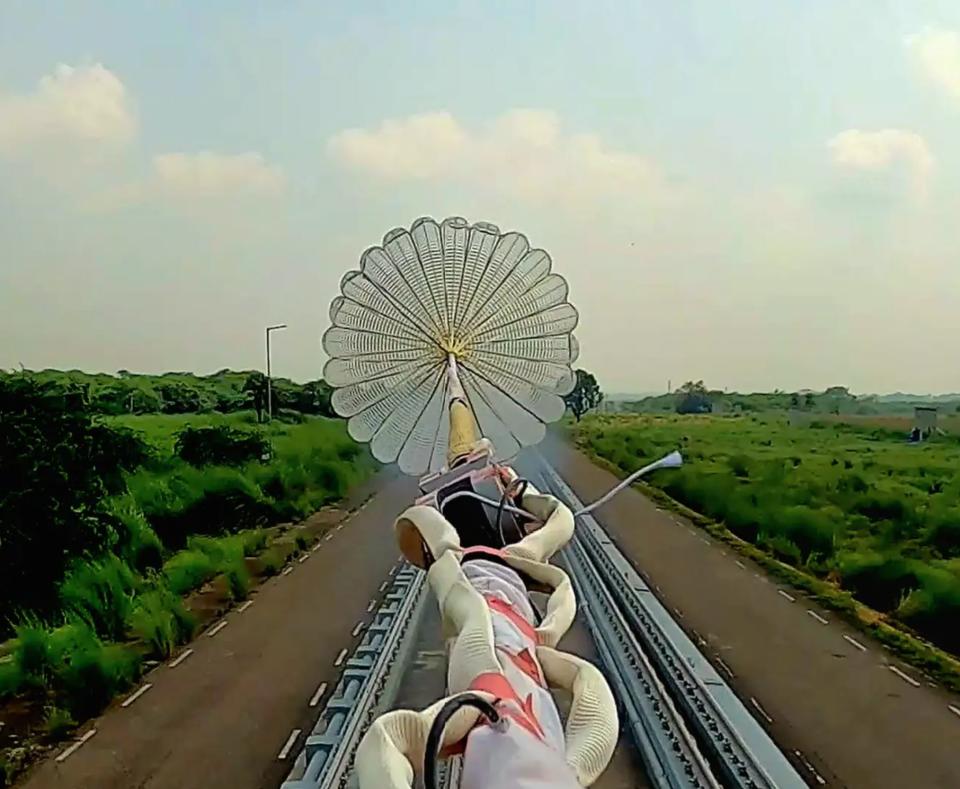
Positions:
{"x": 740, "y": 749}
{"x": 666, "y": 747}
{"x": 327, "y": 756}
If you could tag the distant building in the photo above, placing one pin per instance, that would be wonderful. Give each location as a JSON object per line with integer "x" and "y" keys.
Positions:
{"x": 925, "y": 418}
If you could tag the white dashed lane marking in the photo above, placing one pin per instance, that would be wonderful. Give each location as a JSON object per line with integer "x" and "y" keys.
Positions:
{"x": 357, "y": 629}
{"x": 285, "y": 751}
{"x": 761, "y": 710}
{"x": 287, "y": 571}
{"x": 303, "y": 558}
{"x": 725, "y": 667}
{"x": 340, "y": 657}
{"x": 216, "y": 629}
{"x": 856, "y": 643}
{"x": 73, "y": 748}
{"x": 741, "y": 565}
{"x": 954, "y": 710}
{"x": 315, "y": 699}
{"x": 245, "y": 606}
{"x": 130, "y": 699}
{"x": 817, "y": 616}
{"x": 373, "y": 604}
{"x": 904, "y": 677}
{"x": 789, "y": 597}
{"x": 181, "y": 657}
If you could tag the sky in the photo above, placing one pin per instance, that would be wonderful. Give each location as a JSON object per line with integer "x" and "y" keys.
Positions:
{"x": 757, "y": 193}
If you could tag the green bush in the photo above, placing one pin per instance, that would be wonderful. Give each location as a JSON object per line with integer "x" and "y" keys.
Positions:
{"x": 93, "y": 675}
{"x": 272, "y": 561}
{"x": 101, "y": 593}
{"x": 212, "y": 500}
{"x": 220, "y": 445}
{"x": 160, "y": 620}
{"x": 137, "y": 543}
{"x": 238, "y": 581}
{"x": 882, "y": 581}
{"x": 739, "y": 465}
{"x": 943, "y": 533}
{"x": 57, "y": 722}
{"x": 934, "y": 608}
{"x": 35, "y": 655}
{"x": 11, "y": 679}
{"x": 188, "y": 570}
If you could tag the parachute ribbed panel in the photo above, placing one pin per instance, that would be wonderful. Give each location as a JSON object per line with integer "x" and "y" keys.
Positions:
{"x": 441, "y": 288}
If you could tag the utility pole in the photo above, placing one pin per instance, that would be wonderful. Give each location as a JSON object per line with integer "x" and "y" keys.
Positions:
{"x": 269, "y": 385}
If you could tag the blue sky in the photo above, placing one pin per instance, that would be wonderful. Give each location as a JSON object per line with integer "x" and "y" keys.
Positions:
{"x": 760, "y": 194}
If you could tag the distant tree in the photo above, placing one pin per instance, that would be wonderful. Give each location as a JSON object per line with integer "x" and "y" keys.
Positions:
{"x": 255, "y": 387}
{"x": 794, "y": 400}
{"x": 586, "y": 394}
{"x": 180, "y": 398}
{"x": 809, "y": 401}
{"x": 694, "y": 399}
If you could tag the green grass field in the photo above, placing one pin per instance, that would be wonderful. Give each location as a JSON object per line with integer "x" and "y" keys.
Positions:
{"x": 854, "y": 505}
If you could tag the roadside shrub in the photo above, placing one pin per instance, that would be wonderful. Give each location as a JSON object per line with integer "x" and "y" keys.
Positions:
{"x": 220, "y": 445}
{"x": 271, "y": 561}
{"x": 101, "y": 593}
{"x": 810, "y": 530}
{"x": 93, "y": 675}
{"x": 57, "y": 722}
{"x": 11, "y": 679}
{"x": 207, "y": 501}
{"x": 783, "y": 548}
{"x": 254, "y": 541}
{"x": 238, "y": 581}
{"x": 880, "y": 580}
{"x": 188, "y": 570}
{"x": 934, "y": 608}
{"x": 137, "y": 543}
{"x": 161, "y": 621}
{"x": 34, "y": 655}
{"x": 943, "y": 534}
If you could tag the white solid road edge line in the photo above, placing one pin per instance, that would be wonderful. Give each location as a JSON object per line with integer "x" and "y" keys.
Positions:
{"x": 72, "y": 749}
{"x": 181, "y": 657}
{"x": 288, "y": 744}
{"x": 130, "y": 699}
{"x": 817, "y": 616}
{"x": 789, "y": 597}
{"x": 340, "y": 657}
{"x": 856, "y": 643}
{"x": 761, "y": 710}
{"x": 315, "y": 699}
{"x": 217, "y": 628}
{"x": 245, "y": 606}
{"x": 904, "y": 677}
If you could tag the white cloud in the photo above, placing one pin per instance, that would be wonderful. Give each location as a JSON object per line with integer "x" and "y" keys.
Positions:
{"x": 524, "y": 153}
{"x": 216, "y": 175}
{"x": 937, "y": 52}
{"x": 76, "y": 110}
{"x": 882, "y": 151}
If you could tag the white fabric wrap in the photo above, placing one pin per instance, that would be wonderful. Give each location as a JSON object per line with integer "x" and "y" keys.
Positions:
{"x": 477, "y": 638}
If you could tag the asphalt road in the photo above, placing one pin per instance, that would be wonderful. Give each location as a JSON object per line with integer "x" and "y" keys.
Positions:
{"x": 828, "y": 694}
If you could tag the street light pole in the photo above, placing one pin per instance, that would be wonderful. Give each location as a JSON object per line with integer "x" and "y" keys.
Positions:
{"x": 269, "y": 385}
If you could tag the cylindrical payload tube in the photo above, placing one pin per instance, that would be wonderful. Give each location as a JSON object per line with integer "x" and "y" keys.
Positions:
{"x": 463, "y": 427}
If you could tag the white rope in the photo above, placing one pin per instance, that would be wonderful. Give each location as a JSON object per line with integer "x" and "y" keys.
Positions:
{"x": 673, "y": 460}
